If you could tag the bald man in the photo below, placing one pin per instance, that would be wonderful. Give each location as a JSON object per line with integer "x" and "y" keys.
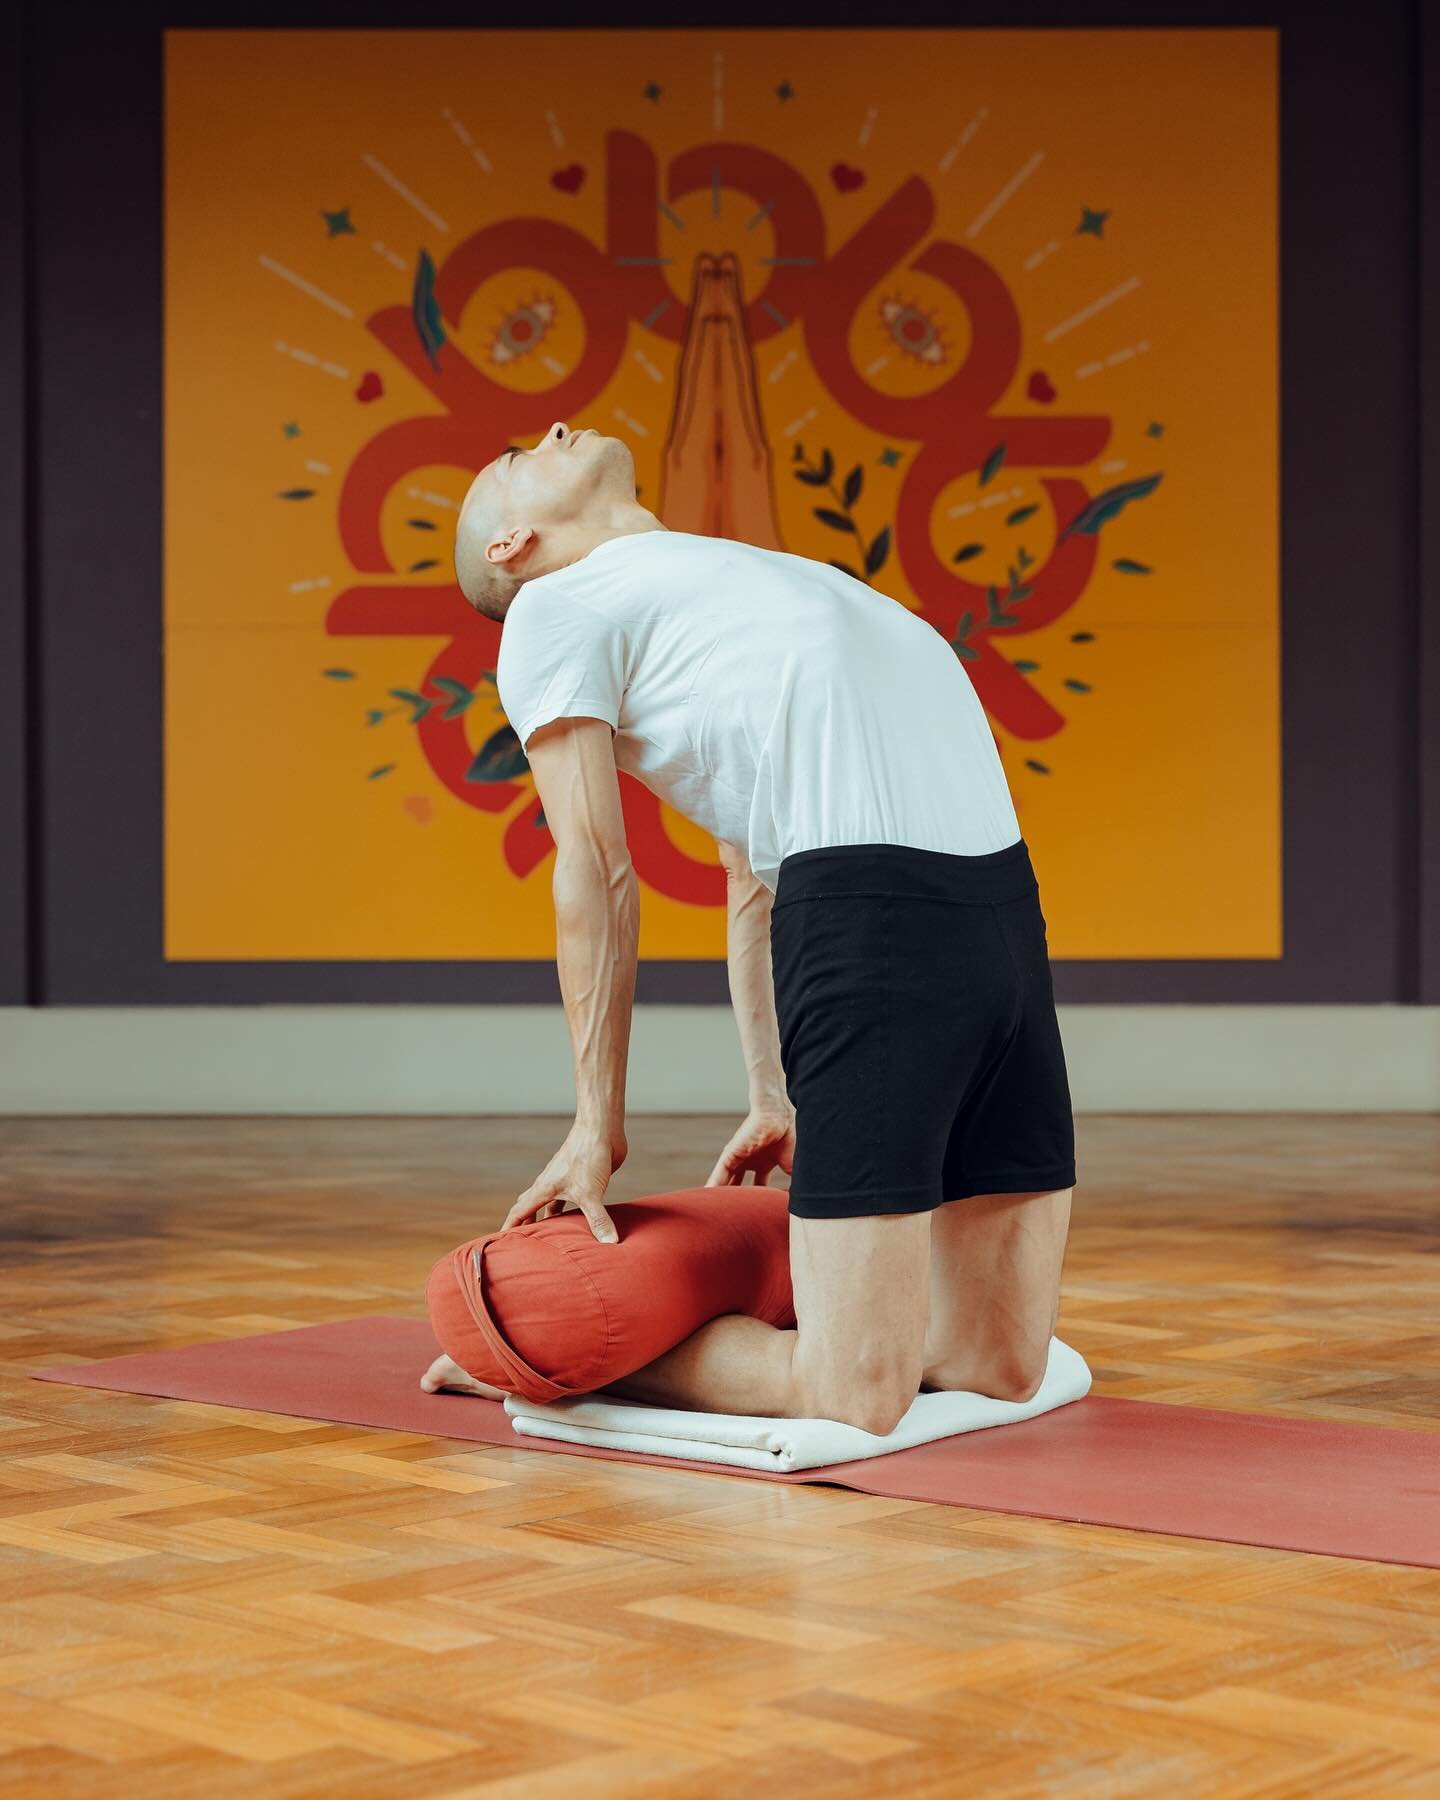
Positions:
{"x": 887, "y": 951}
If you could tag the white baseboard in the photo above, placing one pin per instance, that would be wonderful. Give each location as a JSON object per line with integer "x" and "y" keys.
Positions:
{"x": 683, "y": 1059}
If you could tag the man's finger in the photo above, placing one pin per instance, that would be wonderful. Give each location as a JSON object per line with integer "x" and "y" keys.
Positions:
{"x": 601, "y": 1223}
{"x": 528, "y": 1205}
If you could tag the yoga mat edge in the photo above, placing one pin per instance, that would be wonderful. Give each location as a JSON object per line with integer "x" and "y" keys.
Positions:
{"x": 1320, "y": 1486}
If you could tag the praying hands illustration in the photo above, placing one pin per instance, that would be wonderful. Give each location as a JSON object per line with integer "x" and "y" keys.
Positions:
{"x": 716, "y": 478}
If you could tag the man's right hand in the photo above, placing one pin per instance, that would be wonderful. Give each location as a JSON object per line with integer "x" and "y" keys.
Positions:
{"x": 765, "y": 1139}
{"x": 577, "y": 1175}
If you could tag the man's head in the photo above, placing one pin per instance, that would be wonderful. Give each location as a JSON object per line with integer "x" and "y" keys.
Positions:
{"x": 532, "y": 511}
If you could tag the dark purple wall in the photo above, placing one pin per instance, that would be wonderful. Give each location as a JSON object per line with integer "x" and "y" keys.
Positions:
{"x": 14, "y": 983}
{"x": 1361, "y": 852}
{"x": 1427, "y": 661}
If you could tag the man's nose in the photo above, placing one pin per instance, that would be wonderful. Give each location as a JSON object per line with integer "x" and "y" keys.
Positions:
{"x": 557, "y": 433}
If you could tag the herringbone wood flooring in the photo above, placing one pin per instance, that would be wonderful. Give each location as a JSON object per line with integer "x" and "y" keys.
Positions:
{"x": 199, "y": 1601}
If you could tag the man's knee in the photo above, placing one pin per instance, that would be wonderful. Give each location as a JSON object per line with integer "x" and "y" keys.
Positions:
{"x": 1016, "y": 1379}
{"x": 873, "y": 1394}
{"x": 1019, "y": 1383}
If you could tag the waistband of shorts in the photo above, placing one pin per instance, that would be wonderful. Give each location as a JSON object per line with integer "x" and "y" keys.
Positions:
{"x": 905, "y": 870}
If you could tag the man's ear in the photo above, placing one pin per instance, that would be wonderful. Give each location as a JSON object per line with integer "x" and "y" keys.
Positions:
{"x": 510, "y": 548}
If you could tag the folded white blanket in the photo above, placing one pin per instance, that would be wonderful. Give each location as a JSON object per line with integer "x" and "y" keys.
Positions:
{"x": 786, "y": 1444}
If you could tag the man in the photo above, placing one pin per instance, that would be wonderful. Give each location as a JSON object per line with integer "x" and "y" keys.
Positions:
{"x": 887, "y": 952}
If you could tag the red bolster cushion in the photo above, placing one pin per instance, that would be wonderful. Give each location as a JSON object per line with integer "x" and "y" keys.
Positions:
{"x": 547, "y": 1310}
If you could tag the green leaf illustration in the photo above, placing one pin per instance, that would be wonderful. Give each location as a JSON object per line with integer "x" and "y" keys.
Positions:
{"x": 425, "y": 309}
{"x": 461, "y": 697}
{"x": 1026, "y": 668}
{"x": 1025, "y": 557}
{"x": 851, "y": 491}
{"x": 1039, "y": 767}
{"x": 816, "y": 477}
{"x": 499, "y": 758}
{"x": 384, "y": 769}
{"x": 539, "y": 818}
{"x": 417, "y": 703}
{"x": 1020, "y": 513}
{"x": 847, "y": 568}
{"x": 878, "y": 551}
{"x": 297, "y": 494}
{"x": 1105, "y": 506}
{"x": 422, "y": 524}
{"x": 1082, "y": 637}
{"x": 967, "y": 551}
{"x": 428, "y": 562}
{"x": 1080, "y": 687}
{"x": 1128, "y": 567}
{"x": 992, "y": 463}
{"x": 339, "y": 674}
{"x": 836, "y": 520}
{"x": 374, "y": 716}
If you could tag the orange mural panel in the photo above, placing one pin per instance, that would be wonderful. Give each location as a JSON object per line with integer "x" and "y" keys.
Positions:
{"x": 986, "y": 317}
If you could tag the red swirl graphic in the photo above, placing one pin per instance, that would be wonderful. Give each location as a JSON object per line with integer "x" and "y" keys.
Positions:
{"x": 955, "y": 426}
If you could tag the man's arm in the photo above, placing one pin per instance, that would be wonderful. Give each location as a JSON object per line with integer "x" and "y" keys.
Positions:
{"x": 597, "y": 912}
{"x": 752, "y": 981}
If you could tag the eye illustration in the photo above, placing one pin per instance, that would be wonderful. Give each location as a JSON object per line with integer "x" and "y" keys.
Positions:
{"x": 912, "y": 330}
{"x": 522, "y": 330}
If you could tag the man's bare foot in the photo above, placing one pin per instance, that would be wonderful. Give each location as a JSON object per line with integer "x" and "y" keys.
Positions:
{"x": 444, "y": 1372}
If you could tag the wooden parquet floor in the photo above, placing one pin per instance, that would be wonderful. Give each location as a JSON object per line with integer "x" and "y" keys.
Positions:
{"x": 196, "y": 1601}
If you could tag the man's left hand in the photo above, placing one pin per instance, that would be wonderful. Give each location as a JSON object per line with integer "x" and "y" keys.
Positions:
{"x": 765, "y": 1139}
{"x": 577, "y": 1175}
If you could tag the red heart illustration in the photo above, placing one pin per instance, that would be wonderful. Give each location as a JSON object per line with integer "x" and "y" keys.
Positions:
{"x": 1039, "y": 388}
{"x": 846, "y": 178}
{"x": 370, "y": 387}
{"x": 568, "y": 180}
{"x": 419, "y": 808}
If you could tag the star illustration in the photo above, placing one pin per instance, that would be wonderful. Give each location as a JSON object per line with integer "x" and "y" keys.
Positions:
{"x": 1093, "y": 222}
{"x": 1154, "y": 429}
{"x": 784, "y": 91}
{"x": 291, "y": 430}
{"x": 889, "y": 457}
{"x": 652, "y": 90}
{"x": 339, "y": 222}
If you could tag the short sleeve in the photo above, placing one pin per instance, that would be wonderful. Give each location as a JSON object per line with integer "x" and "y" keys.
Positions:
{"x": 559, "y": 658}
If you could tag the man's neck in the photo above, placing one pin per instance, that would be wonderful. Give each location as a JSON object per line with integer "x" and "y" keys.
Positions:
{"x": 582, "y": 539}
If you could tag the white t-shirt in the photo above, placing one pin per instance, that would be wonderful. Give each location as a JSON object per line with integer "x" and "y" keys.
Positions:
{"x": 777, "y": 702}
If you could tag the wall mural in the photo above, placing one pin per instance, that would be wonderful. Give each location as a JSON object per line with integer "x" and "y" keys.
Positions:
{"x": 986, "y": 318}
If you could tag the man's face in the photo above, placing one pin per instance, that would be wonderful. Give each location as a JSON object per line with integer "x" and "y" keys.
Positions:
{"x": 567, "y": 477}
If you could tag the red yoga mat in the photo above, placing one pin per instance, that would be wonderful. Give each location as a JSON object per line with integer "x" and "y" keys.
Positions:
{"x": 1240, "y": 1478}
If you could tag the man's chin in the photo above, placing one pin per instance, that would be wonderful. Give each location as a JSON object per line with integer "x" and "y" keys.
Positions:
{"x": 613, "y": 456}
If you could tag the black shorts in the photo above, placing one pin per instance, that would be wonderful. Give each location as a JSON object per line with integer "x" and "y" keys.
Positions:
{"x": 917, "y": 1029}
